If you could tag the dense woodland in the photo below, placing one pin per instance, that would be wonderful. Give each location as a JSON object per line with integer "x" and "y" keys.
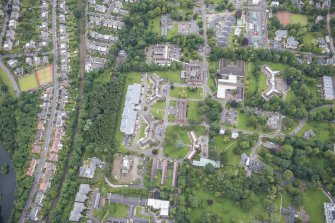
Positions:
{"x": 17, "y": 127}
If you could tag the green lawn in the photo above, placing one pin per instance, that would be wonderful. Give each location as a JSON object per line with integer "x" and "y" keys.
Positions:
{"x": 309, "y": 37}
{"x": 154, "y": 26}
{"x": 174, "y": 133}
{"x": 254, "y": 83}
{"x": 181, "y": 92}
{"x": 242, "y": 122}
{"x": 172, "y": 32}
{"x": 158, "y": 110}
{"x": 322, "y": 130}
{"x": 298, "y": 19}
{"x": 138, "y": 213}
{"x": 4, "y": 79}
{"x": 211, "y": 84}
{"x": 192, "y": 112}
{"x": 28, "y": 82}
{"x": 118, "y": 211}
{"x": 277, "y": 66}
{"x": 173, "y": 76}
{"x": 313, "y": 205}
{"x": 133, "y": 77}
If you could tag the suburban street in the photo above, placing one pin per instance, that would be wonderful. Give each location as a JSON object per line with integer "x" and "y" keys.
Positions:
{"x": 49, "y": 128}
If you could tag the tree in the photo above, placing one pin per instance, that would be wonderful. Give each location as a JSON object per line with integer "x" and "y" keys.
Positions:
{"x": 209, "y": 168}
{"x": 288, "y": 174}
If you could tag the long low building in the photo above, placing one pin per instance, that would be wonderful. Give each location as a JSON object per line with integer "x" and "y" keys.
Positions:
{"x": 328, "y": 88}
{"x": 129, "y": 114}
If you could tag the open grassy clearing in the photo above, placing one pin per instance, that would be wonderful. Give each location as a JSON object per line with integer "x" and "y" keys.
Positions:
{"x": 313, "y": 204}
{"x": 254, "y": 83}
{"x": 172, "y": 32}
{"x": 154, "y": 26}
{"x": 298, "y": 19}
{"x": 4, "y": 79}
{"x": 138, "y": 213}
{"x": 28, "y": 82}
{"x": 158, "y": 110}
{"x": 174, "y": 133}
{"x": 184, "y": 92}
{"x": 323, "y": 130}
{"x": 173, "y": 76}
{"x": 192, "y": 112}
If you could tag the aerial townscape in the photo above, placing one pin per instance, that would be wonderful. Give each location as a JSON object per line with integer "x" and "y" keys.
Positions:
{"x": 162, "y": 111}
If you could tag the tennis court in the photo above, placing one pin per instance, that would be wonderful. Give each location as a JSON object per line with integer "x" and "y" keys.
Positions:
{"x": 44, "y": 75}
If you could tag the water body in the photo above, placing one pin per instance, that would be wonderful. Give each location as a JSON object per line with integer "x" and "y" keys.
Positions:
{"x": 7, "y": 187}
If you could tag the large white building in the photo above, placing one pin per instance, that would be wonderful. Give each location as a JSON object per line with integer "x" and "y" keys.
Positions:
{"x": 271, "y": 83}
{"x": 162, "y": 206}
{"x": 129, "y": 114}
{"x": 225, "y": 85}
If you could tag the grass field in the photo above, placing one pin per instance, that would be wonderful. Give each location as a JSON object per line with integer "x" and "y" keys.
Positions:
{"x": 322, "y": 130}
{"x": 158, "y": 110}
{"x": 174, "y": 133}
{"x": 180, "y": 92}
{"x": 138, "y": 213}
{"x": 118, "y": 211}
{"x": 192, "y": 112}
{"x": 154, "y": 26}
{"x": 313, "y": 204}
{"x": 277, "y": 66}
{"x": 44, "y": 75}
{"x": 310, "y": 37}
{"x": 298, "y": 19}
{"x": 173, "y": 76}
{"x": 255, "y": 83}
{"x": 4, "y": 79}
{"x": 242, "y": 121}
{"x": 28, "y": 82}
{"x": 173, "y": 32}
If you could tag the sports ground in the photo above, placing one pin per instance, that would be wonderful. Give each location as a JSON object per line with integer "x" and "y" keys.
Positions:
{"x": 37, "y": 79}
{"x": 286, "y": 18}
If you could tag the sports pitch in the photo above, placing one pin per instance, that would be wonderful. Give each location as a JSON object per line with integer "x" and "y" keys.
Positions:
{"x": 44, "y": 75}
{"x": 39, "y": 78}
{"x": 28, "y": 83}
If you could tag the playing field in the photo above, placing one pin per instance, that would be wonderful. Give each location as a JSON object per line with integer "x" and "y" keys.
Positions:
{"x": 286, "y": 18}
{"x": 28, "y": 83}
{"x": 44, "y": 75}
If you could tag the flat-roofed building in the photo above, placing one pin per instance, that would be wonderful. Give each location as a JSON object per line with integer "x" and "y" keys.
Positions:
{"x": 328, "y": 88}
{"x": 129, "y": 114}
{"x": 161, "y": 205}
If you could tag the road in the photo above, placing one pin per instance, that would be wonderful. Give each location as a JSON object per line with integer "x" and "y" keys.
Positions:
{"x": 49, "y": 128}
{"x": 331, "y": 41}
{"x": 304, "y": 120}
{"x": 11, "y": 78}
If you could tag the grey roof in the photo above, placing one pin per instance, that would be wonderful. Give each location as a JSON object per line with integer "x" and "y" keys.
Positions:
{"x": 292, "y": 43}
{"x": 129, "y": 113}
{"x": 328, "y": 87}
{"x": 280, "y": 34}
{"x": 80, "y": 197}
{"x": 84, "y": 188}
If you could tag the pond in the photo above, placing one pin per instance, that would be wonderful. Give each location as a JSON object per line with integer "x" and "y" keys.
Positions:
{"x": 7, "y": 186}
